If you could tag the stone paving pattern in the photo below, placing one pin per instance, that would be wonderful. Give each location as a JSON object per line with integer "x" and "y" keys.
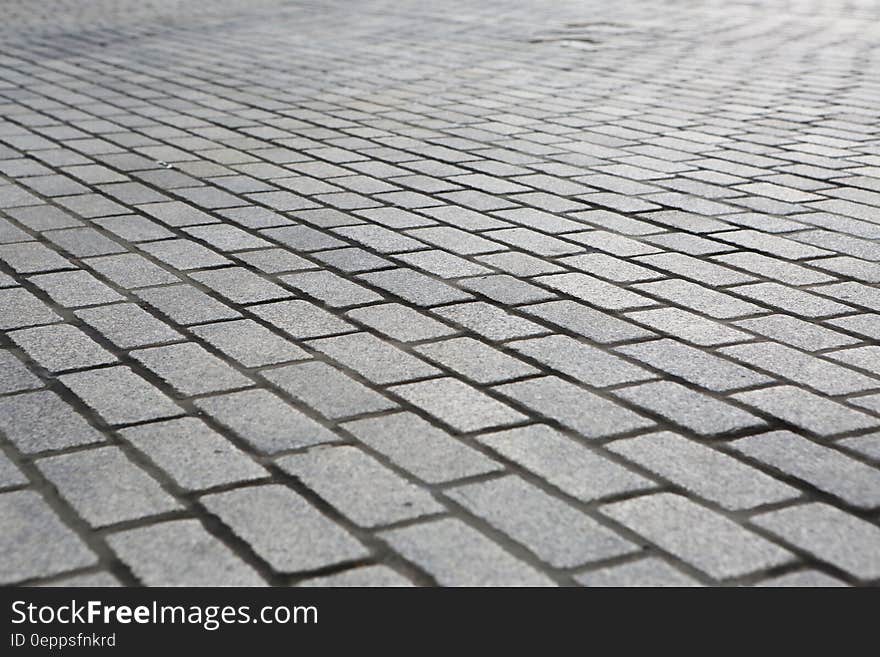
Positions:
{"x": 477, "y": 292}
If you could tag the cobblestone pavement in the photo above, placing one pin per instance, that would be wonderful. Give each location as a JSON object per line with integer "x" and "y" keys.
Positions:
{"x": 478, "y": 292}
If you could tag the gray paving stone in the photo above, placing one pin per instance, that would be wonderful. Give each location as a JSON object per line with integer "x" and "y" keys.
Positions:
{"x": 362, "y": 577}
{"x": 619, "y": 270}
{"x": 796, "y": 332}
{"x": 283, "y": 529}
{"x": 867, "y": 324}
{"x": 794, "y": 365}
{"x": 185, "y": 304}
{"x": 415, "y": 287}
{"x": 425, "y": 451}
{"x": 362, "y": 489}
{"x": 534, "y": 242}
{"x": 866, "y": 358}
{"x": 594, "y": 291}
{"x": 376, "y": 360}
{"x": 119, "y": 396}
{"x": 122, "y": 491}
{"x": 688, "y": 266}
{"x": 866, "y": 445}
{"x": 830, "y": 535}
{"x": 190, "y": 369}
{"x": 588, "y": 322}
{"x": 400, "y": 322}
{"x": 265, "y": 421}
{"x": 194, "y": 456}
{"x": 32, "y": 258}
{"x": 10, "y": 475}
{"x": 694, "y": 365}
{"x": 275, "y": 260}
{"x": 226, "y": 238}
{"x": 442, "y": 264}
{"x": 825, "y": 468}
{"x": 506, "y": 290}
{"x": 75, "y": 288}
{"x": 702, "y": 538}
{"x": 133, "y": 228}
{"x": 61, "y": 347}
{"x": 855, "y": 294}
{"x": 580, "y": 361}
{"x": 301, "y": 319}
{"x": 184, "y": 254}
{"x": 574, "y": 407}
{"x": 455, "y": 240}
{"x": 690, "y": 409}
{"x": 563, "y": 462}
{"x": 557, "y": 533}
{"x": 35, "y": 542}
{"x": 774, "y": 268}
{"x": 176, "y": 213}
{"x": 240, "y": 285}
{"x": 131, "y": 270}
{"x": 332, "y": 290}
{"x": 489, "y": 320}
{"x": 15, "y": 376}
{"x": 250, "y": 343}
{"x": 771, "y": 244}
{"x": 863, "y": 270}
{"x": 127, "y": 325}
{"x": 328, "y": 391}
{"x": 181, "y": 553}
{"x": 519, "y": 264}
{"x": 804, "y": 579}
{"x": 612, "y": 243}
{"x": 807, "y": 410}
{"x": 703, "y": 471}
{"x": 475, "y": 361}
{"x": 99, "y": 579}
{"x": 457, "y": 404}
{"x": 647, "y": 572}
{"x": 701, "y": 299}
{"x": 42, "y": 421}
{"x": 377, "y": 238}
{"x": 454, "y": 554}
{"x": 495, "y": 192}
{"x": 689, "y": 327}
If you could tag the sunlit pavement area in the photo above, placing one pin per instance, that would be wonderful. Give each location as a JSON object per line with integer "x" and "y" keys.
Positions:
{"x": 474, "y": 292}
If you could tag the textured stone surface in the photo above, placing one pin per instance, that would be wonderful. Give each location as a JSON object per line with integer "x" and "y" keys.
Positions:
{"x": 359, "y": 486}
{"x": 266, "y": 422}
{"x": 283, "y": 529}
{"x": 60, "y": 347}
{"x": 688, "y": 408}
{"x": 410, "y": 294}
{"x": 703, "y": 471}
{"x": 119, "y": 396}
{"x": 833, "y": 536}
{"x": 700, "y": 537}
{"x": 420, "y": 448}
{"x": 454, "y": 554}
{"x": 554, "y": 531}
{"x": 564, "y": 463}
{"x": 192, "y": 454}
{"x": 327, "y": 390}
{"x": 823, "y": 467}
{"x": 122, "y": 492}
{"x": 181, "y": 553}
{"x": 458, "y": 405}
{"x": 647, "y": 572}
{"x": 34, "y": 541}
{"x": 573, "y": 407}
